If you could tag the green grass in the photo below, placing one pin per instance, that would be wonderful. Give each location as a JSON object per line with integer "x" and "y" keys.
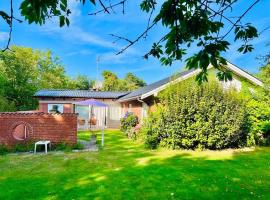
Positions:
{"x": 123, "y": 169}
{"x": 85, "y": 135}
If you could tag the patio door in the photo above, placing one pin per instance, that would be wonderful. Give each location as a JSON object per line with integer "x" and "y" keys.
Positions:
{"x": 109, "y": 116}
{"x": 100, "y": 113}
{"x": 83, "y": 114}
{"x": 114, "y": 114}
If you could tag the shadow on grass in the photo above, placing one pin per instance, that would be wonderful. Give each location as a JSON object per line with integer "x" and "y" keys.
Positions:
{"x": 125, "y": 170}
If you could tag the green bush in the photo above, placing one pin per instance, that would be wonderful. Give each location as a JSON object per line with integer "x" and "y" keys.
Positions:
{"x": 6, "y": 106}
{"x": 62, "y": 147}
{"x": 3, "y": 150}
{"x": 22, "y": 147}
{"x": 259, "y": 117}
{"x": 197, "y": 117}
{"x": 26, "y": 147}
{"x": 78, "y": 146}
{"x": 67, "y": 147}
{"x": 150, "y": 130}
{"x": 128, "y": 121}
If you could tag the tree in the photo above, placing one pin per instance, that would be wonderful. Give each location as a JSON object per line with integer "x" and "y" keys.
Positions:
{"x": 133, "y": 82}
{"x": 82, "y": 82}
{"x": 5, "y": 105}
{"x": 204, "y": 24}
{"x": 24, "y": 71}
{"x": 51, "y": 73}
{"x": 264, "y": 74}
{"x": 20, "y": 76}
{"x": 113, "y": 83}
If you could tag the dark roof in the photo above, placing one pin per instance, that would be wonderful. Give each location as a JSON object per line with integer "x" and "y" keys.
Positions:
{"x": 121, "y": 96}
{"x": 153, "y": 86}
{"x": 80, "y": 94}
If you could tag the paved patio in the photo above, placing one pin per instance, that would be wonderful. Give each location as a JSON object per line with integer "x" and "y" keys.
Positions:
{"x": 89, "y": 145}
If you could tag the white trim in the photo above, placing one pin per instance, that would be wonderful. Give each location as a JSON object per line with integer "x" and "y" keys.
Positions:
{"x": 157, "y": 90}
{"x": 131, "y": 98}
{"x": 229, "y": 66}
{"x": 57, "y": 102}
{"x": 244, "y": 74}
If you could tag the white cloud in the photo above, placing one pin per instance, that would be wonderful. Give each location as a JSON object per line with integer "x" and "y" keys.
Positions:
{"x": 3, "y": 36}
{"x": 234, "y": 55}
{"x": 80, "y": 52}
{"x": 75, "y": 9}
{"x": 87, "y": 30}
{"x": 74, "y": 33}
{"x": 112, "y": 58}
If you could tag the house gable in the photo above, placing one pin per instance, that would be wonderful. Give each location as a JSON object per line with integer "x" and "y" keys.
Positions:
{"x": 237, "y": 72}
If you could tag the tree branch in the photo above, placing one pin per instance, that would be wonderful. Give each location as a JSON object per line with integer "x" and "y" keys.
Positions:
{"x": 132, "y": 42}
{"x": 10, "y": 26}
{"x": 148, "y": 22}
{"x": 120, "y": 38}
{"x": 239, "y": 19}
{"x": 106, "y": 8}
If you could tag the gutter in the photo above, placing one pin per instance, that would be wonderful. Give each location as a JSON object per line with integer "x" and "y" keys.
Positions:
{"x": 128, "y": 99}
{"x": 140, "y": 100}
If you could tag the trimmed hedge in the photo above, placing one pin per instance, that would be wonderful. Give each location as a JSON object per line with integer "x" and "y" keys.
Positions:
{"x": 197, "y": 117}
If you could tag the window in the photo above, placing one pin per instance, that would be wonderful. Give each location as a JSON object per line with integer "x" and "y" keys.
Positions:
{"x": 55, "y": 108}
{"x": 83, "y": 111}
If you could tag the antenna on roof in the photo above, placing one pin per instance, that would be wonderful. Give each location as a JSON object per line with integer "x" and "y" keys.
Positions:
{"x": 98, "y": 60}
{"x": 98, "y": 83}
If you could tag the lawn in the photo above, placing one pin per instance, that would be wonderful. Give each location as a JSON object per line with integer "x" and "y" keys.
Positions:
{"x": 123, "y": 169}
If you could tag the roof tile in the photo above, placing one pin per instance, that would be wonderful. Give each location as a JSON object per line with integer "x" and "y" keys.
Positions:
{"x": 80, "y": 94}
{"x": 153, "y": 86}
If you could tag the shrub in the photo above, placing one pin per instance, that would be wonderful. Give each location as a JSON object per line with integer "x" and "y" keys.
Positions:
{"x": 259, "y": 117}
{"x": 26, "y": 147}
{"x": 132, "y": 132}
{"x": 151, "y": 128}
{"x": 78, "y": 146}
{"x": 3, "y": 150}
{"x": 6, "y": 106}
{"x": 62, "y": 147}
{"x": 129, "y": 121}
{"x": 197, "y": 117}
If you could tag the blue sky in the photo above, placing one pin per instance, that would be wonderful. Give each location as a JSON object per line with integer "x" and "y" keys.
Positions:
{"x": 79, "y": 45}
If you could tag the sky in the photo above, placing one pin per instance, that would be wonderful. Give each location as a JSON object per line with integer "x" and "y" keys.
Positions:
{"x": 88, "y": 37}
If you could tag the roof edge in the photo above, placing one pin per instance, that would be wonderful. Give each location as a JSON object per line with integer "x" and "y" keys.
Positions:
{"x": 177, "y": 80}
{"x": 230, "y": 66}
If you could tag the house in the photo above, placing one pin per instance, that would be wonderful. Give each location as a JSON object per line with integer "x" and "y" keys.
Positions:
{"x": 64, "y": 102}
{"x": 138, "y": 101}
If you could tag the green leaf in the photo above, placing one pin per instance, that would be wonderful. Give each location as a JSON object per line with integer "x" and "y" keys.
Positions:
{"x": 92, "y": 1}
{"x": 6, "y": 17}
{"x": 245, "y": 48}
{"x": 67, "y": 21}
{"x": 62, "y": 20}
{"x": 225, "y": 75}
{"x": 64, "y": 2}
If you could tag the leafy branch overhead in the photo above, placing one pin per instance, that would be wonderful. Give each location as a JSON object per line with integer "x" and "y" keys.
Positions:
{"x": 201, "y": 24}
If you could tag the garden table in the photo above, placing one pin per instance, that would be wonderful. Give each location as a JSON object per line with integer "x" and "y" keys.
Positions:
{"x": 45, "y": 143}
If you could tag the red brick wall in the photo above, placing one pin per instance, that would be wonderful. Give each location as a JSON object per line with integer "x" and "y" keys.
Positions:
{"x": 58, "y": 128}
{"x": 43, "y": 107}
{"x": 68, "y": 108}
{"x": 136, "y": 108}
